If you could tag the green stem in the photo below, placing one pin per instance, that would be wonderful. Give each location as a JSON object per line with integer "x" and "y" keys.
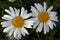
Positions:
{"x": 38, "y": 35}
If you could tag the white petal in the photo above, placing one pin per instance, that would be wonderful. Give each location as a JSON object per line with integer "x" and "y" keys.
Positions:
{"x": 33, "y": 19}
{"x": 54, "y": 24}
{"x": 21, "y": 31}
{"x": 27, "y": 16}
{"x": 7, "y": 29}
{"x": 54, "y": 18}
{"x": 44, "y": 6}
{"x": 46, "y": 28}
{"x": 15, "y": 33}
{"x": 25, "y": 31}
{"x": 8, "y": 11}
{"x": 27, "y": 26}
{"x": 6, "y": 23}
{"x": 50, "y": 24}
{"x": 7, "y": 17}
{"x": 12, "y": 11}
{"x": 35, "y": 25}
{"x": 11, "y": 31}
{"x": 29, "y": 23}
{"x": 29, "y": 20}
{"x": 25, "y": 12}
{"x": 18, "y": 34}
{"x": 39, "y": 7}
{"x": 50, "y": 8}
{"x": 34, "y": 11}
{"x": 22, "y": 11}
{"x": 53, "y": 13}
{"x": 17, "y": 11}
{"x": 39, "y": 28}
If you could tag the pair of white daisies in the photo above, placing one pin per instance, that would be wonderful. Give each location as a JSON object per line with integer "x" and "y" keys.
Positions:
{"x": 17, "y": 21}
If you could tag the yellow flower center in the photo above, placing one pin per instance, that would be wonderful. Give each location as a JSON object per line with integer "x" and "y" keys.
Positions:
{"x": 43, "y": 16}
{"x": 18, "y": 21}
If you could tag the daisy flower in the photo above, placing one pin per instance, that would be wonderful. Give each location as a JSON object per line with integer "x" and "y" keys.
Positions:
{"x": 11, "y": 0}
{"x": 44, "y": 18}
{"x": 16, "y": 23}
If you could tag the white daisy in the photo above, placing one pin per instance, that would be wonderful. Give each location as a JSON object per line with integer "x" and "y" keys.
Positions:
{"x": 43, "y": 18}
{"x": 16, "y": 23}
{"x": 11, "y": 0}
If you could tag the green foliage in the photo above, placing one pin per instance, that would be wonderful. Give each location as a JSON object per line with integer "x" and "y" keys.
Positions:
{"x": 52, "y": 35}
